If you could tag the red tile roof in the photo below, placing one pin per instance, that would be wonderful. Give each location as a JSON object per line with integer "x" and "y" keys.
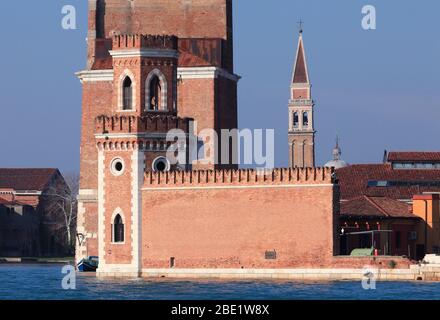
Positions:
{"x": 26, "y": 179}
{"x": 379, "y": 207}
{"x": 413, "y": 156}
{"x": 353, "y": 181}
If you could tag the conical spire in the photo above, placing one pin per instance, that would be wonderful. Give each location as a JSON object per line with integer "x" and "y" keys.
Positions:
{"x": 300, "y": 71}
{"x": 337, "y": 152}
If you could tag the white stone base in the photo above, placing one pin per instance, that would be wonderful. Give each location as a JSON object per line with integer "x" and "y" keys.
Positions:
{"x": 117, "y": 271}
{"x": 282, "y": 274}
{"x": 411, "y": 274}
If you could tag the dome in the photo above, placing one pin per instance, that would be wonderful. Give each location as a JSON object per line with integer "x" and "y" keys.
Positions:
{"x": 337, "y": 162}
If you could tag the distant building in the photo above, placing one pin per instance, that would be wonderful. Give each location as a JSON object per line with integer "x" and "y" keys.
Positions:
{"x": 337, "y": 161}
{"x": 301, "y": 121}
{"x": 19, "y": 229}
{"x": 29, "y": 224}
{"x": 393, "y": 206}
{"x": 366, "y": 222}
{"x": 400, "y": 177}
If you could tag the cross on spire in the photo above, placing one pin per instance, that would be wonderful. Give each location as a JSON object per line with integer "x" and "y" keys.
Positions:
{"x": 300, "y": 23}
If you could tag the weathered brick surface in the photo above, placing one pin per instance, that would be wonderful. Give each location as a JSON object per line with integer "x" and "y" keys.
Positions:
{"x": 203, "y": 19}
{"x": 185, "y": 19}
{"x": 117, "y": 199}
{"x": 301, "y": 94}
{"x": 97, "y": 99}
{"x": 91, "y": 220}
{"x": 206, "y": 227}
{"x": 196, "y": 100}
{"x": 91, "y": 226}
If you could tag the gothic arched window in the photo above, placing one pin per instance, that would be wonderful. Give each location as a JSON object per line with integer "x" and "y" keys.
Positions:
{"x": 305, "y": 119}
{"x": 155, "y": 94}
{"x": 118, "y": 229}
{"x": 127, "y": 94}
{"x": 295, "y": 120}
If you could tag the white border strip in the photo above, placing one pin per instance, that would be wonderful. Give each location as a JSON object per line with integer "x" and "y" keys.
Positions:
{"x": 205, "y": 73}
{"x": 95, "y": 75}
{"x": 182, "y": 73}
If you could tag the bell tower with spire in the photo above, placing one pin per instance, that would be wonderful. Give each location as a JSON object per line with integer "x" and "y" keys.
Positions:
{"x": 301, "y": 122}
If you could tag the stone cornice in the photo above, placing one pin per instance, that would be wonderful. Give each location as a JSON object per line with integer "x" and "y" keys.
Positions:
{"x": 182, "y": 73}
{"x": 205, "y": 73}
{"x": 95, "y": 75}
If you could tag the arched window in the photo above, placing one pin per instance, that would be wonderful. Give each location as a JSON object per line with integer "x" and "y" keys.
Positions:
{"x": 156, "y": 89}
{"x": 118, "y": 229}
{"x": 127, "y": 94}
{"x": 295, "y": 120}
{"x": 155, "y": 94}
{"x": 305, "y": 119}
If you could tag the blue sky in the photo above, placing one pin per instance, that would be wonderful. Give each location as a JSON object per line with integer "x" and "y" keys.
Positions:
{"x": 376, "y": 89}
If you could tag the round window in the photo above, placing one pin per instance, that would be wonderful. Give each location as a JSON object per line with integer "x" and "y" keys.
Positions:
{"x": 117, "y": 167}
{"x": 161, "y": 164}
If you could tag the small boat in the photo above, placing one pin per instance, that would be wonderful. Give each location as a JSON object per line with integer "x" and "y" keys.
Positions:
{"x": 88, "y": 265}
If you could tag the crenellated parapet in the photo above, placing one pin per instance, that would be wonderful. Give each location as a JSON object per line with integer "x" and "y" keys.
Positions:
{"x": 245, "y": 177}
{"x": 125, "y": 124}
{"x": 140, "y": 41}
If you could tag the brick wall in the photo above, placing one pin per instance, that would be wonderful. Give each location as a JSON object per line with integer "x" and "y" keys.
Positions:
{"x": 117, "y": 199}
{"x": 97, "y": 100}
{"x": 185, "y": 19}
{"x": 197, "y": 18}
{"x": 229, "y": 219}
{"x": 91, "y": 227}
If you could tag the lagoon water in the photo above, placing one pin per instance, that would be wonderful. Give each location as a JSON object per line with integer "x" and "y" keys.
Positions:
{"x": 37, "y": 282}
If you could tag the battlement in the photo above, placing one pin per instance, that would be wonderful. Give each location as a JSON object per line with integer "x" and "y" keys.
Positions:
{"x": 133, "y": 124}
{"x": 138, "y": 41}
{"x": 245, "y": 177}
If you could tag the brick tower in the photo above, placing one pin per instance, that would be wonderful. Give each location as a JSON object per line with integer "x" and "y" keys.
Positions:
{"x": 152, "y": 66}
{"x": 301, "y": 127}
